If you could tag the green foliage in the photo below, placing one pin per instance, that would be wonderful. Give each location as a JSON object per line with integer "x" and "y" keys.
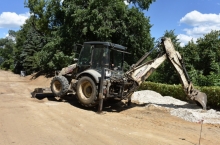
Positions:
{"x": 33, "y": 44}
{"x": 7, "y": 48}
{"x": 60, "y": 60}
{"x": 21, "y": 37}
{"x": 213, "y": 94}
{"x": 166, "y": 73}
{"x": 126, "y": 66}
{"x": 202, "y": 59}
{"x": 45, "y": 42}
{"x": 210, "y": 55}
{"x": 143, "y": 4}
{"x": 176, "y": 91}
{"x": 137, "y": 37}
{"x": 44, "y": 14}
{"x": 105, "y": 21}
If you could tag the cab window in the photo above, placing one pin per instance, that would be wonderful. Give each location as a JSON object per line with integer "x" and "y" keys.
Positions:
{"x": 85, "y": 55}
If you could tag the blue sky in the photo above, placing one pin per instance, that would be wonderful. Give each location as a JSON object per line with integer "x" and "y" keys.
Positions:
{"x": 190, "y": 19}
{"x": 12, "y": 15}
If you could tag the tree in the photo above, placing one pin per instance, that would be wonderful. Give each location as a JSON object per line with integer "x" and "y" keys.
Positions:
{"x": 7, "y": 48}
{"x": 62, "y": 25}
{"x": 41, "y": 26}
{"x": 32, "y": 45}
{"x": 203, "y": 59}
{"x": 209, "y": 52}
{"x": 21, "y": 37}
{"x": 106, "y": 21}
{"x": 166, "y": 73}
{"x": 143, "y": 4}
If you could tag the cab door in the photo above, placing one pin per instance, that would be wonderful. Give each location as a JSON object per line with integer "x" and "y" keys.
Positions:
{"x": 84, "y": 61}
{"x": 100, "y": 57}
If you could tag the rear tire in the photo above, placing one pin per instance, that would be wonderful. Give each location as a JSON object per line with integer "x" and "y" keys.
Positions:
{"x": 59, "y": 86}
{"x": 87, "y": 92}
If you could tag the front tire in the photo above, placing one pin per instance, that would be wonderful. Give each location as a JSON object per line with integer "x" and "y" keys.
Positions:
{"x": 59, "y": 86}
{"x": 87, "y": 92}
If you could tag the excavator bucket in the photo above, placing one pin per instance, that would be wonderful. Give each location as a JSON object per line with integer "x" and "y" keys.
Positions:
{"x": 41, "y": 92}
{"x": 201, "y": 99}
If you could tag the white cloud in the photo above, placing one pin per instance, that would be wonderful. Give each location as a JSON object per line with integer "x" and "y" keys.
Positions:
{"x": 199, "y": 24}
{"x": 185, "y": 39}
{"x": 126, "y": 2}
{"x": 12, "y": 20}
{"x": 202, "y": 29}
{"x": 196, "y": 18}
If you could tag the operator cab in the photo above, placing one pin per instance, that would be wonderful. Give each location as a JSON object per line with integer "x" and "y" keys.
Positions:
{"x": 96, "y": 55}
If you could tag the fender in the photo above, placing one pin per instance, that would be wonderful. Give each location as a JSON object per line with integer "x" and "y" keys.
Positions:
{"x": 95, "y": 74}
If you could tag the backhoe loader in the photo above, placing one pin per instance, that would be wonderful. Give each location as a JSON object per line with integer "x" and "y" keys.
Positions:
{"x": 98, "y": 74}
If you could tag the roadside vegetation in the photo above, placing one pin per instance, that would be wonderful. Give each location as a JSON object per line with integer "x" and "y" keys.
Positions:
{"x": 177, "y": 92}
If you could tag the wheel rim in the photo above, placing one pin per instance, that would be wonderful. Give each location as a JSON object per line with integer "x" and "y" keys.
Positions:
{"x": 87, "y": 89}
{"x": 57, "y": 86}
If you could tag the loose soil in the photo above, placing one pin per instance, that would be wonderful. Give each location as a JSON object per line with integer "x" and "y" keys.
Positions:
{"x": 47, "y": 120}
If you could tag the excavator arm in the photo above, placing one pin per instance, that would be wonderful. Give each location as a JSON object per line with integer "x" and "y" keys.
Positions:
{"x": 140, "y": 72}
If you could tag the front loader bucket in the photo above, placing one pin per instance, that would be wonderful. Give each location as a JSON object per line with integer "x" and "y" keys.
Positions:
{"x": 41, "y": 92}
{"x": 201, "y": 99}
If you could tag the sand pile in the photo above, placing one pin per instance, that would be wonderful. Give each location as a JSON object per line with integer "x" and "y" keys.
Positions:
{"x": 188, "y": 112}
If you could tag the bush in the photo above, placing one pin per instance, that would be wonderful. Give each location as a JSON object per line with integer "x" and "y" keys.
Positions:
{"x": 213, "y": 94}
{"x": 176, "y": 91}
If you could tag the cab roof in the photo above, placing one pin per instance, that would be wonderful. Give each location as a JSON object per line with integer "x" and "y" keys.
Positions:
{"x": 115, "y": 46}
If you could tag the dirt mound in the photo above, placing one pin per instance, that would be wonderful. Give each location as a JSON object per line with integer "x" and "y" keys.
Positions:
{"x": 41, "y": 81}
{"x": 188, "y": 112}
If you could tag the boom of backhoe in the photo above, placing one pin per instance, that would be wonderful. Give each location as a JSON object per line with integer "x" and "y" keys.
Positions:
{"x": 140, "y": 72}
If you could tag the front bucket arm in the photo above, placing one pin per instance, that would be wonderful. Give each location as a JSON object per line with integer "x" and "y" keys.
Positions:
{"x": 41, "y": 92}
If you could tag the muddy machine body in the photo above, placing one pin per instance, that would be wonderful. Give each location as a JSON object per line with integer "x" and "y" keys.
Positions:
{"x": 98, "y": 74}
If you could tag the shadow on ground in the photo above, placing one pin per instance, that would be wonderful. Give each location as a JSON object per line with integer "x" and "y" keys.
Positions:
{"x": 172, "y": 106}
{"x": 109, "y": 105}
